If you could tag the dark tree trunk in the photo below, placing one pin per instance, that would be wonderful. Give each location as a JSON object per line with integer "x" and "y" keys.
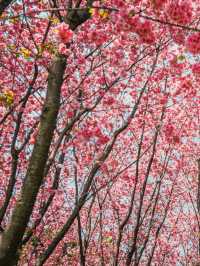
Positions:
{"x": 13, "y": 235}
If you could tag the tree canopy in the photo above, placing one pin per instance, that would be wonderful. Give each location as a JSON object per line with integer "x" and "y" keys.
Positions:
{"x": 99, "y": 132}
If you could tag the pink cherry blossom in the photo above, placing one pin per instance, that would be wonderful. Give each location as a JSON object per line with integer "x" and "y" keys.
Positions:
{"x": 64, "y": 33}
{"x": 193, "y": 43}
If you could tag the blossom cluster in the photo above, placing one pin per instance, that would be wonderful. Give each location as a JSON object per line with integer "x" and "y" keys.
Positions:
{"x": 193, "y": 43}
{"x": 180, "y": 12}
{"x": 64, "y": 35}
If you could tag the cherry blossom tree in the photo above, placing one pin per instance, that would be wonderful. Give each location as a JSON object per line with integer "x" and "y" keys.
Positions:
{"x": 99, "y": 130}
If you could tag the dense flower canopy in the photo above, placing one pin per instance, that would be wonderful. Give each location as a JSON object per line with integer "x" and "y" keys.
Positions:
{"x": 99, "y": 130}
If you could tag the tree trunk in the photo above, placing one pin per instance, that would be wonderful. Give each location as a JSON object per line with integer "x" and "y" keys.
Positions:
{"x": 34, "y": 176}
